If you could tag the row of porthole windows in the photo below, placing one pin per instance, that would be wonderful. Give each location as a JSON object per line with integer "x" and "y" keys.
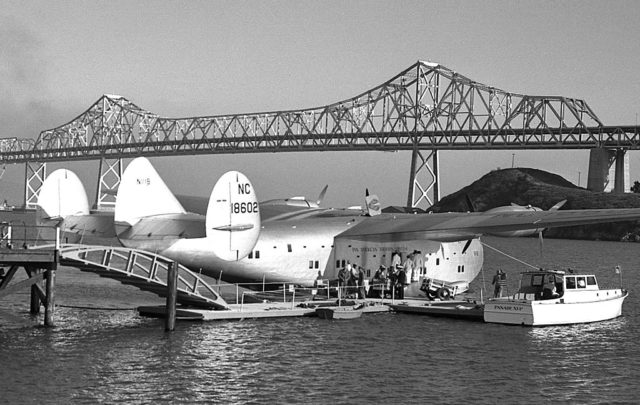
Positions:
{"x": 313, "y": 264}
{"x": 290, "y": 248}
{"x": 256, "y": 253}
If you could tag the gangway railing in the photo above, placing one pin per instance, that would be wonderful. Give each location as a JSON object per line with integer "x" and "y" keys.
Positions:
{"x": 145, "y": 270}
{"x": 283, "y": 292}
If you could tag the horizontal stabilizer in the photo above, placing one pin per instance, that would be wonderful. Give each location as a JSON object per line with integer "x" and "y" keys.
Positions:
{"x": 233, "y": 228}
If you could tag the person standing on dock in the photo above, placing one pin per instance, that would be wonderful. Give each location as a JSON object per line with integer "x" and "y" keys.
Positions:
{"x": 418, "y": 266}
{"x": 396, "y": 260}
{"x": 408, "y": 268}
{"x": 343, "y": 277}
{"x": 400, "y": 283}
{"x": 361, "y": 290}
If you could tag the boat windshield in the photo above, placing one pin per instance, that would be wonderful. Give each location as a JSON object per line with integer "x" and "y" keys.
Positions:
{"x": 581, "y": 282}
{"x": 541, "y": 285}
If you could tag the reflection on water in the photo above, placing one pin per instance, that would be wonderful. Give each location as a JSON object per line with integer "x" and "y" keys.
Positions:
{"x": 576, "y": 351}
{"x": 116, "y": 356}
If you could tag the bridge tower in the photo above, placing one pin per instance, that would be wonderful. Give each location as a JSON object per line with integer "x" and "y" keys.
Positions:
{"x": 424, "y": 178}
{"x": 608, "y": 170}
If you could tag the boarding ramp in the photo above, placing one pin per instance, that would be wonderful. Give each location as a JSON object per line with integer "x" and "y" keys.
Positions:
{"x": 145, "y": 270}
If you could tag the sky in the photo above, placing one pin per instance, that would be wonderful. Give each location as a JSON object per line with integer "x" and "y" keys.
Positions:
{"x": 197, "y": 58}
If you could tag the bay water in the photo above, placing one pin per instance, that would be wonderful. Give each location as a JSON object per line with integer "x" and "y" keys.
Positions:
{"x": 102, "y": 351}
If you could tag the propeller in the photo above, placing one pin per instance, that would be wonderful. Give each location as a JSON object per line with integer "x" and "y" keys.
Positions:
{"x": 321, "y": 196}
{"x": 470, "y": 206}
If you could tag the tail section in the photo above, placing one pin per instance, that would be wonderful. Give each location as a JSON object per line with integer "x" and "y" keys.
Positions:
{"x": 142, "y": 193}
{"x": 62, "y": 194}
{"x": 233, "y": 217}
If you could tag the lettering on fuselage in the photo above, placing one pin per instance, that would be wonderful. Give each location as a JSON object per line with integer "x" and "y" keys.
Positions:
{"x": 379, "y": 249}
{"x": 509, "y": 308}
{"x": 244, "y": 188}
{"x": 143, "y": 181}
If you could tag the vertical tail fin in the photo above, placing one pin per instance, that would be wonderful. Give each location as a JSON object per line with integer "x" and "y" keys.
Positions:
{"x": 233, "y": 217}
{"x": 142, "y": 193}
{"x": 62, "y": 194}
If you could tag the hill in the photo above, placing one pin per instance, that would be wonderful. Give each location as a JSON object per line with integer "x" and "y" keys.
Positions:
{"x": 542, "y": 189}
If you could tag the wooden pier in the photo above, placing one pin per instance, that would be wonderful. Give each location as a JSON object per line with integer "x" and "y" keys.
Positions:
{"x": 40, "y": 265}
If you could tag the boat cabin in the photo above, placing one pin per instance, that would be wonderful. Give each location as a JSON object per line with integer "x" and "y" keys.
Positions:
{"x": 549, "y": 284}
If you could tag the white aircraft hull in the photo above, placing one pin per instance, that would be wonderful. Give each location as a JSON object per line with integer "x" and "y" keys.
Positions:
{"x": 287, "y": 253}
{"x": 582, "y": 307}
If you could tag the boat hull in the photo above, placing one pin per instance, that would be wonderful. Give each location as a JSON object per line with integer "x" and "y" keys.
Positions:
{"x": 338, "y": 313}
{"x": 446, "y": 309}
{"x": 557, "y": 311}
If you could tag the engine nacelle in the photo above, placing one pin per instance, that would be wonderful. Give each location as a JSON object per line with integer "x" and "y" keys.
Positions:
{"x": 515, "y": 208}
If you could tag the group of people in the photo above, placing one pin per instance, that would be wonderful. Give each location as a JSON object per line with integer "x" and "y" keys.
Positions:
{"x": 393, "y": 280}
{"x": 351, "y": 281}
{"x": 386, "y": 281}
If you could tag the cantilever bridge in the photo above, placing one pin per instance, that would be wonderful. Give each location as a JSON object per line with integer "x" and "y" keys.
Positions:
{"x": 426, "y": 108}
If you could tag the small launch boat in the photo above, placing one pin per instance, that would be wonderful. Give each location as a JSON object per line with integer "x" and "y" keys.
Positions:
{"x": 348, "y": 312}
{"x": 548, "y": 297}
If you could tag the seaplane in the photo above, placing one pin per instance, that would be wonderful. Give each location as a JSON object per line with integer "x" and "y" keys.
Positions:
{"x": 234, "y": 238}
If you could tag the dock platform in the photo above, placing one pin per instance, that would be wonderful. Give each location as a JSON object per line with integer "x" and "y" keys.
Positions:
{"x": 258, "y": 310}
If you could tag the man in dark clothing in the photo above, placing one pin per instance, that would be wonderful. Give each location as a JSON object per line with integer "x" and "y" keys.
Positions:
{"x": 400, "y": 283}
{"x": 499, "y": 283}
{"x": 343, "y": 278}
{"x": 361, "y": 291}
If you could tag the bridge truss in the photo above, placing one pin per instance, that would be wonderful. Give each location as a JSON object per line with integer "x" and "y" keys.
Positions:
{"x": 424, "y": 109}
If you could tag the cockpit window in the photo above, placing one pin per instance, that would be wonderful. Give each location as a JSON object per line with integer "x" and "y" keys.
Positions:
{"x": 571, "y": 282}
{"x": 591, "y": 280}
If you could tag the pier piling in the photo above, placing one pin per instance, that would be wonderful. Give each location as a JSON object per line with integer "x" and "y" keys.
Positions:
{"x": 34, "y": 308}
{"x": 49, "y": 308}
{"x": 172, "y": 287}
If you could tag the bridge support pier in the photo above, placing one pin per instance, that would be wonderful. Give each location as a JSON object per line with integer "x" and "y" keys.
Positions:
{"x": 608, "y": 170}
{"x": 424, "y": 167}
{"x": 109, "y": 177}
{"x": 34, "y": 175}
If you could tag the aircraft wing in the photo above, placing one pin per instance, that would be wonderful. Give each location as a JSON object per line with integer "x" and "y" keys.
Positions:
{"x": 463, "y": 226}
{"x": 268, "y": 211}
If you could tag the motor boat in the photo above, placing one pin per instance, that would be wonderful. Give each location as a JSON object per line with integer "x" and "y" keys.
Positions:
{"x": 551, "y": 297}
